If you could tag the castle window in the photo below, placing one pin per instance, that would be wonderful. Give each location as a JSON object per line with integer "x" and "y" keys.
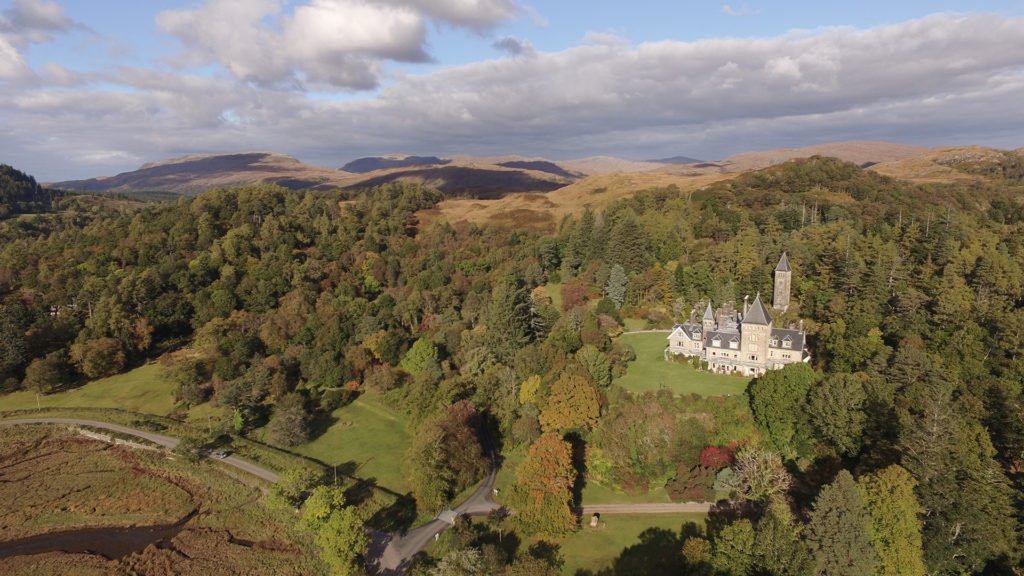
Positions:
{"x": 717, "y": 342}
{"x": 753, "y": 358}
{"x": 753, "y": 337}
{"x": 775, "y": 342}
{"x": 787, "y": 343}
{"x": 734, "y": 344}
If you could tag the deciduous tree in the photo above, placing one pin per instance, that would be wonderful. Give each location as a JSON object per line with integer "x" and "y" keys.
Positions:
{"x": 573, "y": 403}
{"x": 542, "y": 496}
{"x": 895, "y": 527}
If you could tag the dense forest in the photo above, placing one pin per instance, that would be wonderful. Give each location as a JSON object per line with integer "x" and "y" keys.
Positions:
{"x": 896, "y": 451}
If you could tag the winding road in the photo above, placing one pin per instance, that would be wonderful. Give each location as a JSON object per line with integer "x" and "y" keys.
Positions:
{"x": 390, "y": 554}
{"x": 399, "y": 550}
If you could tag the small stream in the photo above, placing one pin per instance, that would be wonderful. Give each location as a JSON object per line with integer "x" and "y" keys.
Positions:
{"x": 111, "y": 543}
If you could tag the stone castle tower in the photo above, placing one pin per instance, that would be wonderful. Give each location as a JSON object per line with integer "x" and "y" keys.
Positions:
{"x": 756, "y": 332}
{"x": 783, "y": 280}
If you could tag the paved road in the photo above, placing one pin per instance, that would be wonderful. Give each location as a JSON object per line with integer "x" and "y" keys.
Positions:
{"x": 400, "y": 550}
{"x": 648, "y": 508}
{"x": 160, "y": 439}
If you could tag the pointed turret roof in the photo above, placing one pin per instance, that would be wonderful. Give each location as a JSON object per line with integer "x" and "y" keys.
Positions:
{"x": 783, "y": 264}
{"x": 758, "y": 314}
{"x": 709, "y": 314}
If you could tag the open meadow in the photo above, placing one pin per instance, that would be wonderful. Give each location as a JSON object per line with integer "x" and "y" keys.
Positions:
{"x": 650, "y": 371}
{"x": 367, "y": 439}
{"x": 145, "y": 389}
{"x": 630, "y": 544}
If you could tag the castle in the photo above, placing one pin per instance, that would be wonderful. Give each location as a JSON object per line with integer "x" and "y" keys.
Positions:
{"x": 744, "y": 343}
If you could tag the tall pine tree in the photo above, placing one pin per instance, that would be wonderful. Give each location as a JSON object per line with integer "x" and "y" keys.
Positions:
{"x": 839, "y": 533}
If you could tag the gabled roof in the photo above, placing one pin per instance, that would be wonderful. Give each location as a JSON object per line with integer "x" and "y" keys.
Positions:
{"x": 783, "y": 264}
{"x": 709, "y": 314}
{"x": 797, "y": 338}
{"x": 758, "y": 314}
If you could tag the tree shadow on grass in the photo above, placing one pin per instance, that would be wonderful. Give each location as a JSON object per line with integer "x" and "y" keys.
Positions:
{"x": 320, "y": 424}
{"x": 579, "y": 463}
{"x": 397, "y": 518}
{"x": 657, "y": 554}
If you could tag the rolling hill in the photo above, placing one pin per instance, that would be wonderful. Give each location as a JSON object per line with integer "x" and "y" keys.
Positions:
{"x": 857, "y": 151}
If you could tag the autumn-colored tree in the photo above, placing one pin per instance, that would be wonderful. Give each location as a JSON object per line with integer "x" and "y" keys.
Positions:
{"x": 717, "y": 457}
{"x": 446, "y": 456}
{"x": 98, "y": 358}
{"x": 573, "y": 403}
{"x": 542, "y": 496}
{"x": 895, "y": 527}
{"x": 48, "y": 374}
{"x": 573, "y": 294}
{"x": 528, "y": 389}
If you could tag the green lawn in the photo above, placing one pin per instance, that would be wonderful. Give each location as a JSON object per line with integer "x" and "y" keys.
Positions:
{"x": 144, "y": 389}
{"x": 555, "y": 292}
{"x": 594, "y": 493}
{"x": 632, "y": 324}
{"x": 597, "y": 548}
{"x": 368, "y": 434}
{"x": 651, "y": 372}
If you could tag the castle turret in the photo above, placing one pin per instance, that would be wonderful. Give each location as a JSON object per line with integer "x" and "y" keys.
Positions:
{"x": 708, "y": 321}
{"x": 783, "y": 281}
{"x": 755, "y": 332}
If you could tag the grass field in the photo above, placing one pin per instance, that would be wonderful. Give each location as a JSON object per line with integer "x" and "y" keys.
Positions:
{"x": 369, "y": 435}
{"x": 144, "y": 389}
{"x": 554, "y": 291}
{"x": 594, "y": 493}
{"x": 651, "y": 372}
{"x": 622, "y": 544}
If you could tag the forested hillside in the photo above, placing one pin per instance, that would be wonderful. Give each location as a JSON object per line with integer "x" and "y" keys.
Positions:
{"x": 19, "y": 193}
{"x": 897, "y": 451}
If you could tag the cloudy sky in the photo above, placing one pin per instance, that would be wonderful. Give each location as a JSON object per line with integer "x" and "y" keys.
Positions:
{"x": 96, "y": 87}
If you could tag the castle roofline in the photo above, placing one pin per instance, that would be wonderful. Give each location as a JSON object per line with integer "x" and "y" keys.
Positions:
{"x": 758, "y": 314}
{"x": 783, "y": 265}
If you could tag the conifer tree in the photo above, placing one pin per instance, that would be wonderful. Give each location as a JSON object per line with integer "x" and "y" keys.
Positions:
{"x": 839, "y": 532}
{"x": 615, "y": 290}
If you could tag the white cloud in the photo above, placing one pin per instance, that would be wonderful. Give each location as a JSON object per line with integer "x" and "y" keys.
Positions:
{"x": 27, "y": 22}
{"x": 475, "y": 14}
{"x": 942, "y": 79}
{"x": 327, "y": 43}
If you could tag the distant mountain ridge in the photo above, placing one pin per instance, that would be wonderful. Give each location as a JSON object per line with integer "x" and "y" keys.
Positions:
{"x": 194, "y": 174}
{"x": 857, "y": 151}
{"x": 676, "y": 160}
{"x": 472, "y": 176}
{"x": 373, "y": 163}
